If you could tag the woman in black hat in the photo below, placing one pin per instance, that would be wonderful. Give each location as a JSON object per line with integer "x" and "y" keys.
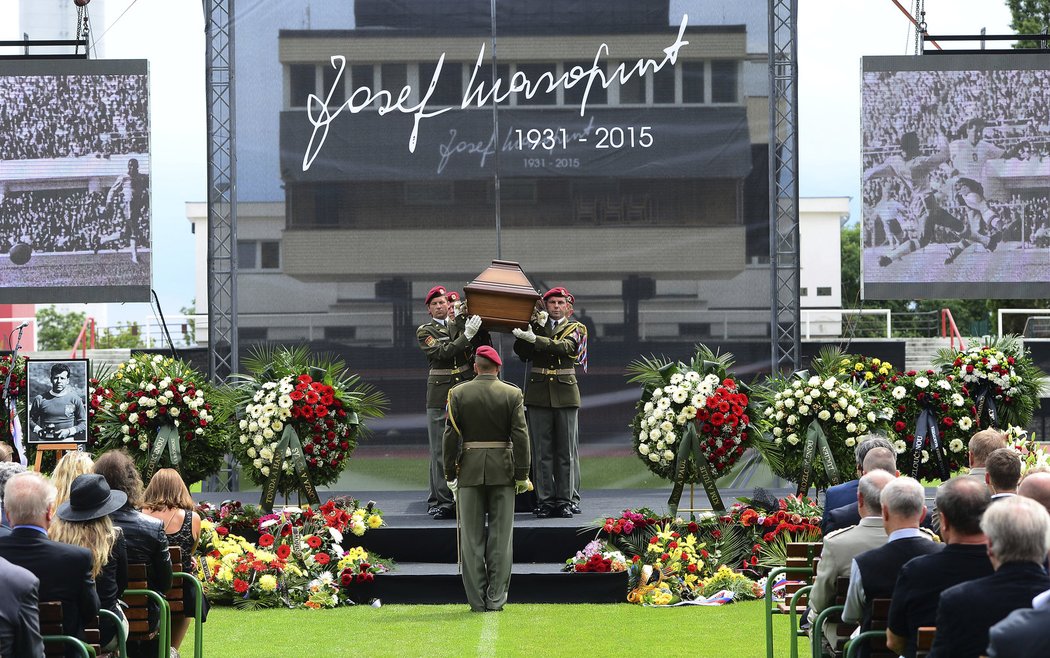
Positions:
{"x": 83, "y": 520}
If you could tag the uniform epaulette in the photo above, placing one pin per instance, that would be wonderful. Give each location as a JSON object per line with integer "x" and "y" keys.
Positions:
{"x": 510, "y": 384}
{"x": 838, "y": 532}
{"x": 933, "y": 535}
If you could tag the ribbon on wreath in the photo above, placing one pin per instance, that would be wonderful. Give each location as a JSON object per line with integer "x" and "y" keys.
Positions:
{"x": 289, "y": 442}
{"x": 167, "y": 438}
{"x": 817, "y": 445}
{"x": 926, "y": 426}
{"x": 689, "y": 448}
{"x": 985, "y": 399}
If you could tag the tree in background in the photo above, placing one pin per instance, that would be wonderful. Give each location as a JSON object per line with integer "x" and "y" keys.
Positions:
{"x": 1029, "y": 17}
{"x": 126, "y": 335}
{"x": 189, "y": 328}
{"x": 57, "y": 330}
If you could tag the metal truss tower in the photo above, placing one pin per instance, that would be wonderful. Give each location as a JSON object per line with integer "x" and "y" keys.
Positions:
{"x": 222, "y": 199}
{"x": 783, "y": 185}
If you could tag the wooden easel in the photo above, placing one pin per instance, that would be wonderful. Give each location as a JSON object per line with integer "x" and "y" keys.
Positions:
{"x": 60, "y": 448}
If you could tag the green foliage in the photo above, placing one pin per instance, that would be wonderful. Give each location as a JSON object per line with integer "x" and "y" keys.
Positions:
{"x": 126, "y": 335}
{"x": 1029, "y": 17}
{"x": 189, "y": 328}
{"x": 850, "y": 273}
{"x": 57, "y": 330}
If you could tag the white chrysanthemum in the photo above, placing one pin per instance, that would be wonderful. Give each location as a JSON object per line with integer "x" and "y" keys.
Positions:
{"x": 900, "y": 446}
{"x": 677, "y": 378}
{"x": 921, "y": 382}
{"x": 692, "y": 376}
{"x": 965, "y": 423}
{"x": 944, "y": 384}
{"x": 958, "y": 400}
{"x": 680, "y": 396}
{"x": 664, "y": 403}
{"x": 955, "y": 445}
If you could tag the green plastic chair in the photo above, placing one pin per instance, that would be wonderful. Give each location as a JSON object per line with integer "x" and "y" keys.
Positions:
{"x": 122, "y": 637}
{"x": 853, "y": 646}
{"x": 198, "y": 608}
{"x": 82, "y": 647}
{"x": 818, "y": 623}
{"x": 770, "y": 579}
{"x": 163, "y": 625}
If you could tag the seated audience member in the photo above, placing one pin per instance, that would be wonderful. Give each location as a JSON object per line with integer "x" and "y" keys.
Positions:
{"x": 147, "y": 544}
{"x": 873, "y": 573}
{"x": 1023, "y": 634}
{"x": 83, "y": 521}
{"x": 7, "y": 469}
{"x": 1002, "y": 472}
{"x": 64, "y": 571}
{"x": 72, "y": 465}
{"x": 19, "y": 613}
{"x": 981, "y": 445}
{"x": 960, "y": 501}
{"x": 1037, "y": 487}
{"x": 842, "y": 546}
{"x": 1017, "y": 530}
{"x": 169, "y": 501}
{"x": 878, "y": 458}
{"x": 844, "y": 494}
{"x": 7, "y": 453}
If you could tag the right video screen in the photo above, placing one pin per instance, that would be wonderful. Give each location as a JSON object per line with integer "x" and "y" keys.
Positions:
{"x": 956, "y": 177}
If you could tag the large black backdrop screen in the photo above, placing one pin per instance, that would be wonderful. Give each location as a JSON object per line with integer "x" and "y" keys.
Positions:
{"x": 74, "y": 181}
{"x": 956, "y": 176}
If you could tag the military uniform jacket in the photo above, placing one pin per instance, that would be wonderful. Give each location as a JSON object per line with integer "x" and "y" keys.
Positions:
{"x": 552, "y": 374}
{"x": 486, "y": 409}
{"x": 450, "y": 356}
{"x": 836, "y": 558}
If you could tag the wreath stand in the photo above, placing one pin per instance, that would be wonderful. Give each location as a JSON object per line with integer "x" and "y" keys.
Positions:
{"x": 60, "y": 448}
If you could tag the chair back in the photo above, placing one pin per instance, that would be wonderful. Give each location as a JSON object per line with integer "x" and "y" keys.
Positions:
{"x": 802, "y": 560}
{"x": 137, "y": 611}
{"x": 51, "y": 623}
{"x": 174, "y": 595}
{"x": 924, "y": 642}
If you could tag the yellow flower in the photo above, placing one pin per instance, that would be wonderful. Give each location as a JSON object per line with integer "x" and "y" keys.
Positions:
{"x": 358, "y": 528}
{"x": 859, "y": 367}
{"x": 268, "y": 583}
{"x": 876, "y": 362}
{"x": 374, "y": 521}
{"x": 265, "y": 556}
{"x": 868, "y": 376}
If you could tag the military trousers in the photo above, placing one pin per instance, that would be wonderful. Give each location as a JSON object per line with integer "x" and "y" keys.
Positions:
{"x": 440, "y": 496}
{"x": 487, "y": 551}
{"x": 554, "y": 432}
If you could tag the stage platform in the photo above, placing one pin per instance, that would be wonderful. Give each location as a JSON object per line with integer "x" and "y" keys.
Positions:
{"x": 424, "y": 549}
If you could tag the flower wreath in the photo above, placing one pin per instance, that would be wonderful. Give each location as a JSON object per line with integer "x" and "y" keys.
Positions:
{"x": 1003, "y": 380}
{"x": 300, "y": 419}
{"x": 15, "y": 392}
{"x": 935, "y": 407}
{"x": 692, "y": 421}
{"x": 160, "y": 410}
{"x": 813, "y": 422}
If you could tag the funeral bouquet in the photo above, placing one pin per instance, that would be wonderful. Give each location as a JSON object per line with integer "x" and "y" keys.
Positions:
{"x": 161, "y": 411}
{"x": 866, "y": 371}
{"x": 596, "y": 557}
{"x": 1033, "y": 454}
{"x": 299, "y": 420}
{"x": 933, "y": 419}
{"x": 15, "y": 394}
{"x": 692, "y": 422}
{"x": 1003, "y": 380}
{"x": 813, "y": 421}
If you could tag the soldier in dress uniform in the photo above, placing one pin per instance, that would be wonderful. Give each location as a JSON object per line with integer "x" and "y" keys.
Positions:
{"x": 486, "y": 461}
{"x": 555, "y": 345}
{"x": 449, "y": 351}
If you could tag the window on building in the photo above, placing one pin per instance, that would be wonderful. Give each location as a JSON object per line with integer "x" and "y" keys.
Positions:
{"x": 362, "y": 75}
{"x": 246, "y": 255}
{"x": 632, "y": 91}
{"x": 253, "y": 334}
{"x": 258, "y": 254}
{"x": 538, "y": 83}
{"x": 824, "y": 291}
{"x": 724, "y": 81}
{"x": 393, "y": 78}
{"x": 598, "y": 95}
{"x": 449, "y": 88}
{"x": 663, "y": 86}
{"x": 302, "y": 81}
{"x": 692, "y": 82}
{"x": 803, "y": 292}
{"x": 269, "y": 255}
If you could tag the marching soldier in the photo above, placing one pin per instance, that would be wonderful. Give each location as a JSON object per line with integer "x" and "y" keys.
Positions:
{"x": 486, "y": 461}
{"x": 555, "y": 345}
{"x": 447, "y": 346}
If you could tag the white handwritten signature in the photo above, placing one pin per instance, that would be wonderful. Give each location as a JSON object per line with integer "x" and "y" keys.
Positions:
{"x": 362, "y": 98}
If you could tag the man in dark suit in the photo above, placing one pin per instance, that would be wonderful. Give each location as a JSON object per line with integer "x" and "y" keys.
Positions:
{"x": 1023, "y": 633}
{"x": 64, "y": 570}
{"x": 844, "y": 494}
{"x": 873, "y": 573}
{"x": 1002, "y": 472}
{"x": 877, "y": 458}
{"x": 555, "y": 344}
{"x": 1017, "y": 530}
{"x": 981, "y": 445}
{"x": 486, "y": 457}
{"x": 19, "y": 614}
{"x": 448, "y": 347}
{"x": 961, "y": 501}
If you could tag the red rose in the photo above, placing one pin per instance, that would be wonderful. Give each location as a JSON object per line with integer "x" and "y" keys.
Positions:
{"x": 691, "y": 568}
{"x": 693, "y": 527}
{"x": 222, "y": 531}
{"x": 947, "y": 421}
{"x": 346, "y": 579}
{"x": 266, "y": 539}
{"x": 322, "y": 558}
{"x": 284, "y": 550}
{"x": 240, "y": 586}
{"x": 899, "y": 426}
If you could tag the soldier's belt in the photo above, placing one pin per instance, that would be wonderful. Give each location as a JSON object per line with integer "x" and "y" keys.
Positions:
{"x": 449, "y": 371}
{"x": 470, "y": 445}
{"x": 552, "y": 371}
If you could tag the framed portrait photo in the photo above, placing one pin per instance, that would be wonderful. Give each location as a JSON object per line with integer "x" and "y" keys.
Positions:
{"x": 58, "y": 401}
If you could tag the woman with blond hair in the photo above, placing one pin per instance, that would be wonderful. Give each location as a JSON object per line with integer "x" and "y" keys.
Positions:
{"x": 168, "y": 500}
{"x": 72, "y": 465}
{"x": 83, "y": 520}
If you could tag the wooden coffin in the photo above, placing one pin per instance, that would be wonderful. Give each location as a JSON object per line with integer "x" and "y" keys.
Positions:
{"x": 502, "y": 296}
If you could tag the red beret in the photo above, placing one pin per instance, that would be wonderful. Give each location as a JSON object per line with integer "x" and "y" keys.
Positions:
{"x": 488, "y": 353}
{"x": 453, "y": 296}
{"x": 436, "y": 291}
{"x": 559, "y": 292}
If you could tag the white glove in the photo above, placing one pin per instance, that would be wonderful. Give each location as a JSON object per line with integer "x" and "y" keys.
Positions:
{"x": 526, "y": 335}
{"x": 470, "y": 329}
{"x": 521, "y": 486}
{"x": 453, "y": 485}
